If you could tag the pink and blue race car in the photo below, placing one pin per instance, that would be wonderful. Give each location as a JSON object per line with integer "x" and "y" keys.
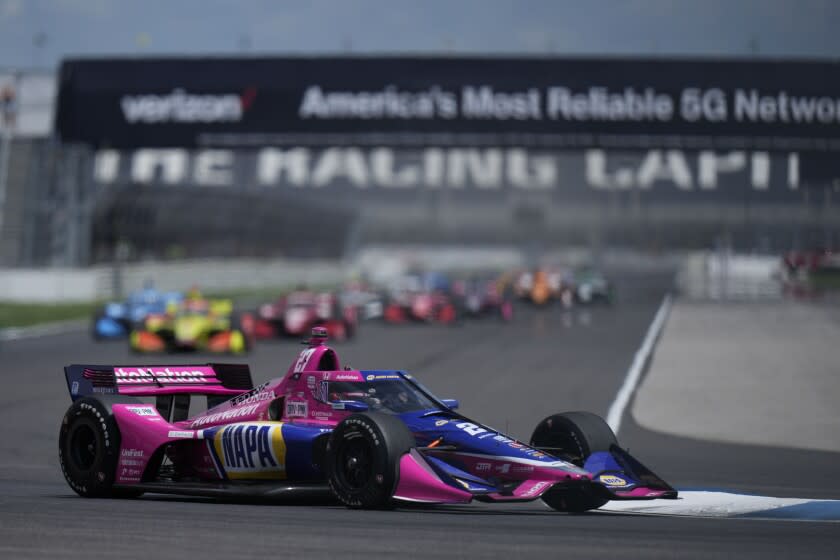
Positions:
{"x": 369, "y": 439}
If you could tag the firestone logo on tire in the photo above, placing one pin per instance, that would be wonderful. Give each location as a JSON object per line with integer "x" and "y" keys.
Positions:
{"x": 181, "y": 106}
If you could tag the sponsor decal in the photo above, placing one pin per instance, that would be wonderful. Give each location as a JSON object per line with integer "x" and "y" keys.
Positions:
{"x": 126, "y": 474}
{"x": 503, "y": 468}
{"x": 255, "y": 395}
{"x": 251, "y": 451}
{"x": 131, "y": 458}
{"x": 482, "y": 466}
{"x": 297, "y": 408}
{"x": 522, "y": 469}
{"x": 612, "y": 480}
{"x": 181, "y": 434}
{"x": 321, "y": 391}
{"x": 347, "y": 377}
{"x": 163, "y": 375}
{"x": 181, "y": 106}
{"x": 142, "y": 410}
{"x": 535, "y": 489}
{"x": 373, "y": 377}
{"x": 105, "y": 390}
{"x": 440, "y": 423}
{"x": 226, "y": 415}
{"x": 74, "y": 388}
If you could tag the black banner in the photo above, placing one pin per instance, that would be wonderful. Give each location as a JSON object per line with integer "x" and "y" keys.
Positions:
{"x": 548, "y": 102}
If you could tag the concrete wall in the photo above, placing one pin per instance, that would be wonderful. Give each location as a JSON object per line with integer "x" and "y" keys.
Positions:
{"x": 102, "y": 282}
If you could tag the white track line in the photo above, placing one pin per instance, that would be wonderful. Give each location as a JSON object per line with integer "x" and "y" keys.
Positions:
{"x": 634, "y": 374}
{"x": 17, "y": 333}
{"x": 694, "y": 503}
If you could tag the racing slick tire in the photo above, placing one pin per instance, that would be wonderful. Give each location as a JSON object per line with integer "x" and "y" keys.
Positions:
{"x": 574, "y": 436}
{"x": 93, "y": 330}
{"x": 89, "y": 447}
{"x": 240, "y": 334}
{"x": 362, "y": 459}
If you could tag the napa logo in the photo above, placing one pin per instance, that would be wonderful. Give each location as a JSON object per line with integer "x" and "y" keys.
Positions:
{"x": 612, "y": 480}
{"x": 252, "y": 450}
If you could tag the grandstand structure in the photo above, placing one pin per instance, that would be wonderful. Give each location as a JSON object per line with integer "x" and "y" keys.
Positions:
{"x": 195, "y": 157}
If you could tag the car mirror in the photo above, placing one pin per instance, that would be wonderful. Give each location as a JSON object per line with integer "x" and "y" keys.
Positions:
{"x": 352, "y": 406}
{"x": 451, "y": 403}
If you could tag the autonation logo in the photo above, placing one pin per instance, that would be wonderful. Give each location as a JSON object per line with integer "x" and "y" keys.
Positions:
{"x": 180, "y": 106}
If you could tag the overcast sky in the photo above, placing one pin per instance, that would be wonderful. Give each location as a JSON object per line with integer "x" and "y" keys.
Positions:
{"x": 799, "y": 28}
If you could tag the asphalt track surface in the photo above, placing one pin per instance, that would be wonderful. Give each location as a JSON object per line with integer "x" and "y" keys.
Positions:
{"x": 508, "y": 376}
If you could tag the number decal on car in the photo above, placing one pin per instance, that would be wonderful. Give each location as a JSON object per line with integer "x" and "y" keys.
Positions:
{"x": 470, "y": 428}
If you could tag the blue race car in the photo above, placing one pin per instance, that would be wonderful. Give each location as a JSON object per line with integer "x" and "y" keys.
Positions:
{"x": 115, "y": 319}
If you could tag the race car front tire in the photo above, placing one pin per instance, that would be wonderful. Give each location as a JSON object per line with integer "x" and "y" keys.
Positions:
{"x": 89, "y": 447}
{"x": 574, "y": 436}
{"x": 362, "y": 459}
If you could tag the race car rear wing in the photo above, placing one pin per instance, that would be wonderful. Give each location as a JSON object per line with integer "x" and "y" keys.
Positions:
{"x": 213, "y": 380}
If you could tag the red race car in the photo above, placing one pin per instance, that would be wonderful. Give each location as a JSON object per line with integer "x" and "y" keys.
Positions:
{"x": 298, "y": 312}
{"x": 424, "y": 298}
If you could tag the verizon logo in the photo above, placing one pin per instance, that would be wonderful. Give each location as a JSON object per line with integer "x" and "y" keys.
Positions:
{"x": 181, "y": 106}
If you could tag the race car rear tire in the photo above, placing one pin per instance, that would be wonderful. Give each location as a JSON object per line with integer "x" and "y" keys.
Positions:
{"x": 362, "y": 459}
{"x": 243, "y": 324}
{"x": 93, "y": 330}
{"x": 574, "y": 436}
{"x": 89, "y": 447}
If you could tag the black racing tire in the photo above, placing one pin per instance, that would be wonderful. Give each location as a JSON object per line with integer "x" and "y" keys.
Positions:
{"x": 362, "y": 459}
{"x": 236, "y": 325}
{"x": 93, "y": 330}
{"x": 350, "y": 329}
{"x": 574, "y": 436}
{"x": 89, "y": 447}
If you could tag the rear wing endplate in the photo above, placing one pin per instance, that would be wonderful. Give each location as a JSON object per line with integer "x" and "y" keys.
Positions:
{"x": 147, "y": 381}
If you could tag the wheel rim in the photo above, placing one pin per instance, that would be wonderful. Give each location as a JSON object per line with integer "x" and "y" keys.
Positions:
{"x": 355, "y": 465}
{"x": 83, "y": 447}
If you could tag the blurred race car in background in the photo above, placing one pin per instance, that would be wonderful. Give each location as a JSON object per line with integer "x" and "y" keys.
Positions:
{"x": 195, "y": 324}
{"x": 295, "y": 314}
{"x": 485, "y": 297}
{"x": 368, "y": 302}
{"x": 592, "y": 286}
{"x": 369, "y": 439}
{"x": 425, "y": 298}
{"x": 116, "y": 319}
{"x": 543, "y": 286}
